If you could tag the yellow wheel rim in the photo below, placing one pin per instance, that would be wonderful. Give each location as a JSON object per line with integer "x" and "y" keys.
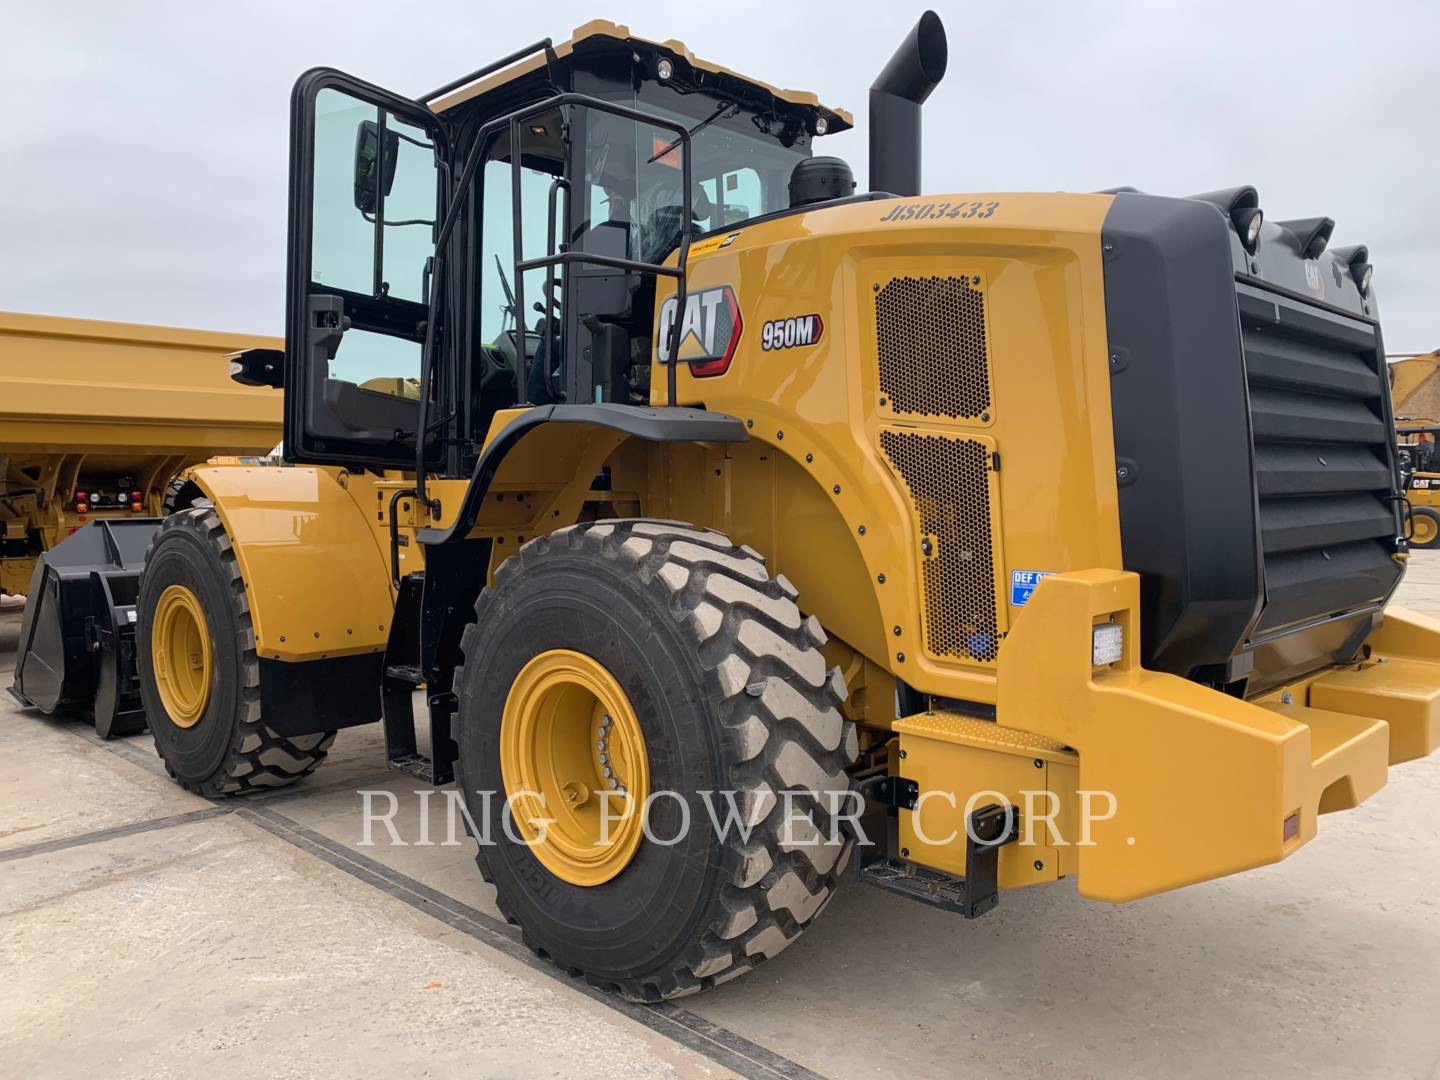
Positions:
{"x": 180, "y": 653}
{"x": 568, "y": 736}
{"x": 1425, "y": 530}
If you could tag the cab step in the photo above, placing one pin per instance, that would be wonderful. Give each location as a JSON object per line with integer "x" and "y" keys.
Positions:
{"x": 990, "y": 828}
{"x": 402, "y": 674}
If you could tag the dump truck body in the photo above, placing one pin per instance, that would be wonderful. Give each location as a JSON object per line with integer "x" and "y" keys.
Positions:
{"x": 113, "y": 412}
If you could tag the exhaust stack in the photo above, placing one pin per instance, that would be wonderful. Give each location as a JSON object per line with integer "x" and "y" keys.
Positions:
{"x": 895, "y": 99}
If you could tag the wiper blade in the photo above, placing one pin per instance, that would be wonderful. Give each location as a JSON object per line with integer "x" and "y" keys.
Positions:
{"x": 701, "y": 126}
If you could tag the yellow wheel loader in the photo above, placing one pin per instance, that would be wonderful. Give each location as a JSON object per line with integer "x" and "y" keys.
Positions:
{"x": 1420, "y": 480}
{"x": 728, "y": 492}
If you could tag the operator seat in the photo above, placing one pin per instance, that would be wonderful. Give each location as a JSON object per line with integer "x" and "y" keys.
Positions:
{"x": 663, "y": 226}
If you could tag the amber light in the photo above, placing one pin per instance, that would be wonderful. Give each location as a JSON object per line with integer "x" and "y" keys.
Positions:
{"x": 1291, "y": 829}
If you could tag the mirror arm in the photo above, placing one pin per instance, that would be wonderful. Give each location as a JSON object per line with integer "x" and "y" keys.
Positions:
{"x": 379, "y": 245}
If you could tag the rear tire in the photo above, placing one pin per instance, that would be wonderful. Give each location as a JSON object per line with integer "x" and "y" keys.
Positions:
{"x": 226, "y": 749}
{"x": 1426, "y": 530}
{"x": 732, "y": 693}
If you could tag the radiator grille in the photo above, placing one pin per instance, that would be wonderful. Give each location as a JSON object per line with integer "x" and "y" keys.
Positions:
{"x": 932, "y": 348}
{"x": 949, "y": 483}
{"x": 1322, "y": 459}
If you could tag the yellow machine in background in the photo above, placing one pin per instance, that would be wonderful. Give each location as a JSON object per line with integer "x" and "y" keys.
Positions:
{"x": 1056, "y": 529}
{"x": 1416, "y": 394}
{"x": 97, "y": 419}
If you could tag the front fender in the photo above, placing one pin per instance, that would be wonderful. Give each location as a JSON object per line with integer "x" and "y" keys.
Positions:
{"x": 315, "y": 576}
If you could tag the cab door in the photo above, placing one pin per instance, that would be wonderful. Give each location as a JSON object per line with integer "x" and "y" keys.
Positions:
{"x": 368, "y": 176}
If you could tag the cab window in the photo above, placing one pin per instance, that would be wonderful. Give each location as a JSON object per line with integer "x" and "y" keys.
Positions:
{"x": 634, "y": 173}
{"x": 370, "y": 242}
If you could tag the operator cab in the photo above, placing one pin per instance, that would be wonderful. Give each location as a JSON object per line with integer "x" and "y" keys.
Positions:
{"x": 564, "y": 173}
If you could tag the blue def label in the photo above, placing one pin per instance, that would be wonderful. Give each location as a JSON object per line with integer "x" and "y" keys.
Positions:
{"x": 1022, "y": 584}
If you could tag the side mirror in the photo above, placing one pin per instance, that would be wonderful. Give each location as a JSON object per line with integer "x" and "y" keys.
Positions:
{"x": 368, "y": 163}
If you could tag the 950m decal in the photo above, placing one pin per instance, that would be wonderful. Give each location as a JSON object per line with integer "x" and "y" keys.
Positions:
{"x": 788, "y": 333}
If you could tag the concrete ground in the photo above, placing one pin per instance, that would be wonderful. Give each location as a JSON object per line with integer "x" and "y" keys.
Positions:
{"x": 145, "y": 932}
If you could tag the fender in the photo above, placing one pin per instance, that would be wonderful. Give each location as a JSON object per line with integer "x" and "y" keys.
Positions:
{"x": 316, "y": 580}
{"x": 669, "y": 424}
{"x": 564, "y": 443}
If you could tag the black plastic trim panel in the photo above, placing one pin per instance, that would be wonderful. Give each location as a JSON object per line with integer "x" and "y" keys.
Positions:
{"x": 1188, "y": 516}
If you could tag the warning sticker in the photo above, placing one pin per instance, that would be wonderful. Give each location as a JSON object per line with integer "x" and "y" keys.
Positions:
{"x": 1022, "y": 584}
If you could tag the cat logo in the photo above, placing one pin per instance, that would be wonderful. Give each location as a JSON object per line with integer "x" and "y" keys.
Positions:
{"x": 709, "y": 331}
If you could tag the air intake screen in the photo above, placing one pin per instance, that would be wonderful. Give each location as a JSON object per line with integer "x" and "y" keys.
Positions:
{"x": 931, "y": 335}
{"x": 949, "y": 482}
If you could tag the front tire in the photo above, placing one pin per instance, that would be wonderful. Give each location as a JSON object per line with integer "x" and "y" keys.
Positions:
{"x": 199, "y": 675}
{"x": 723, "y": 674}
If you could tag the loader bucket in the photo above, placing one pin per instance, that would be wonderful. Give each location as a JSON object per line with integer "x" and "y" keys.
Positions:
{"x": 77, "y": 640}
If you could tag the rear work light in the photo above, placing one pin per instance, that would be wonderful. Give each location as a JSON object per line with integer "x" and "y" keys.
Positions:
{"x": 1107, "y": 643}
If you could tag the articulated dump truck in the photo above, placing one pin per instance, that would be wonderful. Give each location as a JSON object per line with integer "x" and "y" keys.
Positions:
{"x": 954, "y": 542}
{"x": 98, "y": 422}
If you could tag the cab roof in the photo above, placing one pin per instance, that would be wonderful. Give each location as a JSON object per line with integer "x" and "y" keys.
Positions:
{"x": 599, "y": 33}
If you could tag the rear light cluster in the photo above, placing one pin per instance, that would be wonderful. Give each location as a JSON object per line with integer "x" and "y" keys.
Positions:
{"x": 85, "y": 501}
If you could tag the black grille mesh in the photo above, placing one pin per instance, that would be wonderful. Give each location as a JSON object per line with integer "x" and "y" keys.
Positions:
{"x": 932, "y": 348}
{"x": 949, "y": 483}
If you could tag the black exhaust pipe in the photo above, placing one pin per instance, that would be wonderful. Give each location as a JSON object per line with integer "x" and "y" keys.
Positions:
{"x": 895, "y": 99}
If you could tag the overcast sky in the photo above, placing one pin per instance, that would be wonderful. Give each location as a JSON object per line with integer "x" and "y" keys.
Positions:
{"x": 144, "y": 170}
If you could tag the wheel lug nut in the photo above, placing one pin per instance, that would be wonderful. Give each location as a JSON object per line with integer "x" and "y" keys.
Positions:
{"x": 614, "y": 783}
{"x": 606, "y": 771}
{"x": 600, "y": 745}
{"x": 604, "y": 759}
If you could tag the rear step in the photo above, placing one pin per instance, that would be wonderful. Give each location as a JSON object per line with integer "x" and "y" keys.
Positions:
{"x": 990, "y": 828}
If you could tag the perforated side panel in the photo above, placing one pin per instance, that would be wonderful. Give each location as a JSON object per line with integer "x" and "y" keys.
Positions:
{"x": 932, "y": 350}
{"x": 949, "y": 483}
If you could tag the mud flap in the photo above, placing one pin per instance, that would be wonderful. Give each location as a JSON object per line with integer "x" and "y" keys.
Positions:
{"x": 77, "y": 640}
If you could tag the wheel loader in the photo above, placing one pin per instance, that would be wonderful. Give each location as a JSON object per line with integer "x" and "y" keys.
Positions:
{"x": 1419, "y": 480}
{"x": 668, "y": 465}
